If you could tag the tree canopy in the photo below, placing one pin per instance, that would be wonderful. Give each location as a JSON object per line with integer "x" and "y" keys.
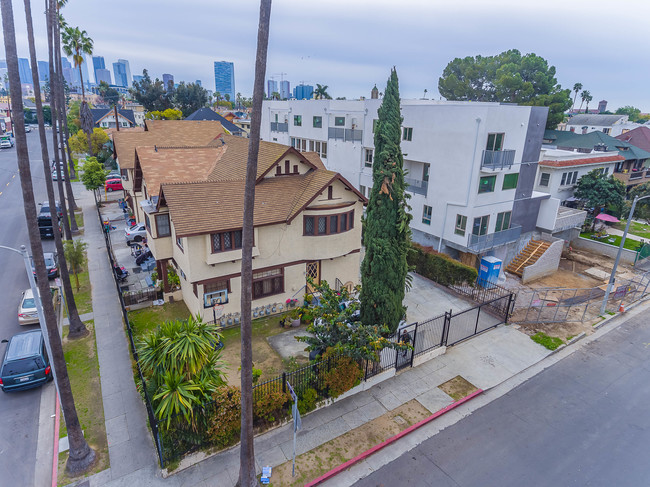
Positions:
{"x": 507, "y": 77}
{"x": 642, "y": 209}
{"x": 633, "y": 113}
{"x": 600, "y": 191}
{"x": 169, "y": 114}
{"x": 188, "y": 98}
{"x": 386, "y": 231}
{"x": 151, "y": 94}
{"x": 108, "y": 94}
{"x": 79, "y": 142}
{"x": 94, "y": 174}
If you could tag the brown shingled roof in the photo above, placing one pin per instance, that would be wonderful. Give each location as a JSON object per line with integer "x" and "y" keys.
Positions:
{"x": 582, "y": 161}
{"x": 177, "y": 133}
{"x": 213, "y": 206}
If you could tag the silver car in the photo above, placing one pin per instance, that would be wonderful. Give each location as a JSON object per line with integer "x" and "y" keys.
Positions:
{"x": 27, "y": 314}
{"x": 136, "y": 233}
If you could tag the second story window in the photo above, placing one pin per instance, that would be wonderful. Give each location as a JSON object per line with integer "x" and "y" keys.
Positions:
{"x": 407, "y": 133}
{"x": 339, "y": 121}
{"x": 162, "y": 225}
{"x": 544, "y": 179}
{"x": 318, "y": 122}
{"x": 495, "y": 141}
{"x": 179, "y": 243}
{"x": 225, "y": 241}
{"x": 461, "y": 224}
{"x": 569, "y": 178}
{"x": 328, "y": 225}
{"x": 297, "y": 120}
{"x": 486, "y": 184}
{"x": 368, "y": 160}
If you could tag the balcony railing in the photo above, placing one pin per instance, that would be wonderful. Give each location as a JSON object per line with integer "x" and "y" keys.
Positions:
{"x": 416, "y": 186}
{"x": 346, "y": 135}
{"x": 480, "y": 243}
{"x": 279, "y": 126}
{"x": 636, "y": 174}
{"x": 498, "y": 159}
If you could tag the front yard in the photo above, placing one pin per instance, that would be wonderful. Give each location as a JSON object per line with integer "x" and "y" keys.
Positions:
{"x": 636, "y": 228}
{"x": 614, "y": 240}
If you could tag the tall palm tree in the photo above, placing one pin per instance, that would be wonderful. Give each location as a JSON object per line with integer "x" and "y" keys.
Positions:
{"x": 55, "y": 87}
{"x": 588, "y": 98}
{"x": 81, "y": 456}
{"x": 76, "y": 43}
{"x": 63, "y": 25}
{"x": 77, "y": 327}
{"x": 321, "y": 92}
{"x": 247, "y": 451}
{"x": 583, "y": 98}
{"x": 576, "y": 88}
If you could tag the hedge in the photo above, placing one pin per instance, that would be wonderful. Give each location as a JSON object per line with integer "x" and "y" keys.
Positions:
{"x": 439, "y": 267}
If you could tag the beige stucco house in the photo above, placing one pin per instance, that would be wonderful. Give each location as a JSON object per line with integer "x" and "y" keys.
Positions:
{"x": 307, "y": 222}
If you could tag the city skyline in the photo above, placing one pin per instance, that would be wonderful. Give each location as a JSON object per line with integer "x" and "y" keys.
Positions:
{"x": 430, "y": 36}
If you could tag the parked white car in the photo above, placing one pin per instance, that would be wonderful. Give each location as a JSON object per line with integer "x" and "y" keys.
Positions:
{"x": 136, "y": 233}
{"x": 27, "y": 314}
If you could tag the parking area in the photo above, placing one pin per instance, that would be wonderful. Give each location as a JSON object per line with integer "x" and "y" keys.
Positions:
{"x": 427, "y": 300}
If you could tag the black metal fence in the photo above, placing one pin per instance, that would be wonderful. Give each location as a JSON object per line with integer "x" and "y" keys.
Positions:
{"x": 139, "y": 296}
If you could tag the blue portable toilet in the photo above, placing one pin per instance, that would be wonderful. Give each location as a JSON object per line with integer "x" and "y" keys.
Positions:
{"x": 489, "y": 270}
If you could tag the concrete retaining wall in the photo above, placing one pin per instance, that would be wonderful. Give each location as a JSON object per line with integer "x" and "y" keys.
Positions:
{"x": 627, "y": 256}
{"x": 547, "y": 264}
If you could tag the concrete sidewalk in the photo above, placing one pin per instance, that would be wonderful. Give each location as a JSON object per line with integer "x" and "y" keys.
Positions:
{"x": 486, "y": 361}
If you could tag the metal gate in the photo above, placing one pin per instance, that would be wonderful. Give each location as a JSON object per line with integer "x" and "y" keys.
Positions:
{"x": 404, "y": 358}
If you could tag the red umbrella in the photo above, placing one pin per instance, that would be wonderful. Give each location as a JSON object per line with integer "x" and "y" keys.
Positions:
{"x": 607, "y": 218}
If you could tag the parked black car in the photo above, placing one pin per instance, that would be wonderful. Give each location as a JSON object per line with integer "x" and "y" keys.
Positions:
{"x": 25, "y": 364}
{"x": 45, "y": 225}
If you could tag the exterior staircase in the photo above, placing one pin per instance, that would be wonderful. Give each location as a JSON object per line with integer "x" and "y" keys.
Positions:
{"x": 527, "y": 256}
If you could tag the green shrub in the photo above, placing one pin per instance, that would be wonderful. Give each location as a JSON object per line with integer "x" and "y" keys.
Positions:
{"x": 257, "y": 373}
{"x": 307, "y": 402}
{"x": 225, "y": 423}
{"x": 269, "y": 407}
{"x": 439, "y": 267}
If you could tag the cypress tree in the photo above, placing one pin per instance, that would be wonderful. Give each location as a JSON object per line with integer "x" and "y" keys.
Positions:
{"x": 386, "y": 231}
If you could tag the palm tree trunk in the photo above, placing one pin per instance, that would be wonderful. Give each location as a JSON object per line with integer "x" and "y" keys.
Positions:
{"x": 77, "y": 327}
{"x": 72, "y": 204}
{"x": 81, "y": 455}
{"x": 247, "y": 451}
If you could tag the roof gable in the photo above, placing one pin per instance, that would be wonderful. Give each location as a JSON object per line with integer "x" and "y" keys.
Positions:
{"x": 597, "y": 120}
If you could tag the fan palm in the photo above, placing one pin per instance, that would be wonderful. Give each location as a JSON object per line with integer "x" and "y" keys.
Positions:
{"x": 321, "y": 92}
{"x": 583, "y": 97}
{"x": 576, "y": 88}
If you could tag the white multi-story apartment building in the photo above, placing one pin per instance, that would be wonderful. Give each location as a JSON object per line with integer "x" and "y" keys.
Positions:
{"x": 471, "y": 166}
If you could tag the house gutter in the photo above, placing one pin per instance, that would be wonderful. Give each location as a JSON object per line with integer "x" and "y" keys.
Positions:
{"x": 469, "y": 187}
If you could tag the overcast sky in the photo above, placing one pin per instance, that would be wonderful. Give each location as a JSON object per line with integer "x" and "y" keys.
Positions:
{"x": 350, "y": 45}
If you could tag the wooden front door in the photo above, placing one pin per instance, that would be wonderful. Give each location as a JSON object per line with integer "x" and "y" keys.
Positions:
{"x": 313, "y": 271}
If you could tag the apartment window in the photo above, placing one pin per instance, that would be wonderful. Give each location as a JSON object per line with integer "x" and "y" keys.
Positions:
{"x": 323, "y": 152}
{"x": 215, "y": 292}
{"x": 368, "y": 161}
{"x": 486, "y": 184}
{"x": 362, "y": 189}
{"x": 607, "y": 130}
{"x": 503, "y": 221}
{"x": 225, "y": 241}
{"x": 407, "y": 133}
{"x": 374, "y": 124}
{"x": 426, "y": 214}
{"x": 425, "y": 172}
{"x": 461, "y": 225}
{"x": 339, "y": 121}
{"x": 544, "y": 179}
{"x": 318, "y": 122}
{"x": 297, "y": 120}
{"x": 179, "y": 243}
{"x": 329, "y": 224}
{"x": 268, "y": 283}
{"x": 510, "y": 181}
{"x": 162, "y": 225}
{"x": 569, "y": 178}
{"x": 147, "y": 223}
{"x": 495, "y": 141}
{"x": 480, "y": 225}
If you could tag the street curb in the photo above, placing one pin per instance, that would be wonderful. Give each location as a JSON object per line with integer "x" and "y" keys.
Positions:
{"x": 392, "y": 439}
{"x": 55, "y": 456}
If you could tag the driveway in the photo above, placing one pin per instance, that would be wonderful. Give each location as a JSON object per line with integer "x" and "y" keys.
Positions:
{"x": 427, "y": 300}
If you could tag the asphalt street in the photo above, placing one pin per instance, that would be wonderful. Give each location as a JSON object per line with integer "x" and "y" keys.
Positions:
{"x": 583, "y": 421}
{"x": 19, "y": 412}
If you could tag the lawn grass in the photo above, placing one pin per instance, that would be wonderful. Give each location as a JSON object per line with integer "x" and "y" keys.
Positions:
{"x": 146, "y": 320}
{"x": 629, "y": 243}
{"x": 83, "y": 370}
{"x": 82, "y": 296}
{"x": 639, "y": 229}
{"x": 79, "y": 216}
{"x": 547, "y": 341}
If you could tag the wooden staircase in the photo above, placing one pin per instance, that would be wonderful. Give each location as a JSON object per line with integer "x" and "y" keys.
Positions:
{"x": 527, "y": 256}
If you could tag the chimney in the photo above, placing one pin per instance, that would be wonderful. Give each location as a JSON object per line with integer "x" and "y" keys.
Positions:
{"x": 374, "y": 93}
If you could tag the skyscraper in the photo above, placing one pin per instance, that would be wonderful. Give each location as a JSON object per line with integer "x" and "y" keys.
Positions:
{"x": 127, "y": 69}
{"x": 166, "y": 79}
{"x": 224, "y": 79}
{"x": 271, "y": 87}
{"x": 25, "y": 71}
{"x": 285, "y": 90}
{"x": 198, "y": 82}
{"x": 138, "y": 78}
{"x": 67, "y": 71}
{"x": 102, "y": 74}
{"x": 119, "y": 71}
{"x": 98, "y": 63}
{"x": 303, "y": 92}
{"x": 43, "y": 71}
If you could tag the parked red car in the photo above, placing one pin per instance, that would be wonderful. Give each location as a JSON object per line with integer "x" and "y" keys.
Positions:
{"x": 114, "y": 185}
